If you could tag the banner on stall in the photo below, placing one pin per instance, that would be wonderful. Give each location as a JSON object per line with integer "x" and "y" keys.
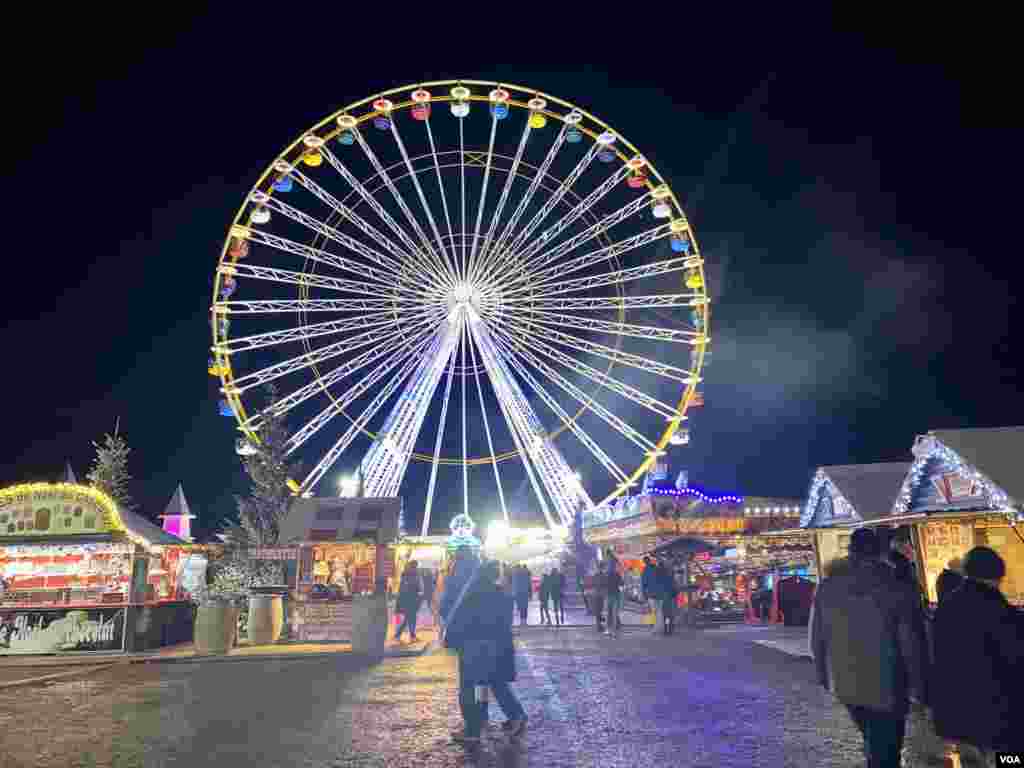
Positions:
{"x": 61, "y": 630}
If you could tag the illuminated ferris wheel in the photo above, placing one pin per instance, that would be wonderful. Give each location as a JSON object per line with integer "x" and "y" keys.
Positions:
{"x": 471, "y": 275}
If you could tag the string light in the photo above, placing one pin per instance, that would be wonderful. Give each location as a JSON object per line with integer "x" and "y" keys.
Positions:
{"x": 928, "y": 448}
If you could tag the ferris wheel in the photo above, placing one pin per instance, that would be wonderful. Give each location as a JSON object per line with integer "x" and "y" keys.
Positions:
{"x": 477, "y": 280}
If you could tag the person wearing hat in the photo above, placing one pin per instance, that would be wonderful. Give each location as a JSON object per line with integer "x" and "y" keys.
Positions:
{"x": 979, "y": 663}
{"x": 951, "y": 579}
{"x": 868, "y": 642}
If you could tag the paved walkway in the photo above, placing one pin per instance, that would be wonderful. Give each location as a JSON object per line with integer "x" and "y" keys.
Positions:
{"x": 699, "y": 698}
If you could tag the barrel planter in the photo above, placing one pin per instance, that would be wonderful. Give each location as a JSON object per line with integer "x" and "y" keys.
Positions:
{"x": 266, "y": 619}
{"x": 216, "y": 627}
{"x": 369, "y": 624}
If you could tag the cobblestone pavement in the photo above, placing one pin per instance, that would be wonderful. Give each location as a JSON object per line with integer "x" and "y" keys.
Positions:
{"x": 694, "y": 699}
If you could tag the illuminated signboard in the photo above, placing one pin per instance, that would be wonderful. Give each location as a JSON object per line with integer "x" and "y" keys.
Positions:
{"x": 59, "y": 509}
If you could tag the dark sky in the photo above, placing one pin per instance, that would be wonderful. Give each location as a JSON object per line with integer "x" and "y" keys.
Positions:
{"x": 854, "y": 191}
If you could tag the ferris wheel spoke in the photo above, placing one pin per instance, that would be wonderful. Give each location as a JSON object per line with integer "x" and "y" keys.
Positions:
{"x": 385, "y": 279}
{"x": 317, "y": 356}
{"x": 356, "y": 427}
{"x": 372, "y": 320}
{"x": 614, "y": 277}
{"x": 600, "y": 255}
{"x": 437, "y": 447}
{"x": 634, "y": 436}
{"x": 340, "y": 403}
{"x": 295, "y": 306}
{"x": 418, "y": 256}
{"x": 385, "y": 462}
{"x": 606, "y": 303}
{"x": 651, "y": 333}
{"x": 483, "y": 200}
{"x": 439, "y": 262}
{"x": 444, "y": 198}
{"x": 423, "y": 199}
{"x": 526, "y": 429}
{"x": 339, "y": 373}
{"x": 496, "y": 218}
{"x": 538, "y": 177}
{"x": 531, "y": 256}
{"x": 582, "y": 369}
{"x": 398, "y": 255}
{"x": 571, "y": 423}
{"x": 339, "y": 284}
{"x": 554, "y": 199}
{"x": 487, "y": 430}
{"x": 463, "y": 273}
{"x": 579, "y": 344}
{"x": 534, "y": 260}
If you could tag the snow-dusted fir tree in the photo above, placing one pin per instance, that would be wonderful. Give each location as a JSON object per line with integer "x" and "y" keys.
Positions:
{"x": 261, "y": 511}
{"x": 109, "y": 471}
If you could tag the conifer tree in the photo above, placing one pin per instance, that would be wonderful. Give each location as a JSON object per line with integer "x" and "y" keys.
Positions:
{"x": 109, "y": 472}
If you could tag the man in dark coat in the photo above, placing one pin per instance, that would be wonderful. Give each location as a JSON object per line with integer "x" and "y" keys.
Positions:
{"x": 949, "y": 580}
{"x": 558, "y": 595}
{"x": 667, "y": 592}
{"x": 524, "y": 589}
{"x": 464, "y": 568}
{"x": 410, "y": 594}
{"x": 979, "y": 660}
{"x": 650, "y": 583}
{"x": 480, "y": 630}
{"x": 868, "y": 642}
{"x": 544, "y": 596}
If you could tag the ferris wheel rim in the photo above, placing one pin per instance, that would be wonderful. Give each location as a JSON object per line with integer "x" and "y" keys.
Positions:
{"x": 700, "y": 348}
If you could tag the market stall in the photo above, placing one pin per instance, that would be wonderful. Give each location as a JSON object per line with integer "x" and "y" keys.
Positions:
{"x": 965, "y": 489}
{"x": 337, "y": 549}
{"x": 843, "y": 497}
{"x": 80, "y": 574}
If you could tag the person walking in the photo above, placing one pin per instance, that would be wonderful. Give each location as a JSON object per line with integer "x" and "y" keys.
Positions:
{"x": 868, "y": 643}
{"x": 429, "y": 580}
{"x": 648, "y": 588}
{"x": 614, "y": 585}
{"x": 951, "y": 578}
{"x": 979, "y": 663}
{"x": 558, "y": 595}
{"x": 599, "y": 594}
{"x": 410, "y": 593}
{"x": 667, "y": 592}
{"x": 524, "y": 590}
{"x": 480, "y": 631}
{"x": 544, "y": 595}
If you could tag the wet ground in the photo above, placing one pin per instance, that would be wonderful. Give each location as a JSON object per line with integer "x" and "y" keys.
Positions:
{"x": 712, "y": 698}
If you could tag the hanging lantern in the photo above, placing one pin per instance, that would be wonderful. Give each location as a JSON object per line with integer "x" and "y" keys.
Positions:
{"x": 346, "y": 138}
{"x": 680, "y": 437}
{"x": 213, "y": 367}
{"x": 382, "y": 123}
{"x": 460, "y": 105}
{"x": 238, "y": 249}
{"x": 694, "y": 281}
{"x": 680, "y": 243}
{"x": 573, "y": 135}
{"x": 283, "y": 184}
{"x": 421, "y": 104}
{"x": 260, "y": 215}
{"x": 537, "y": 118}
{"x": 312, "y": 156}
{"x": 499, "y": 103}
{"x": 225, "y": 409}
{"x": 244, "y": 448}
{"x": 606, "y": 156}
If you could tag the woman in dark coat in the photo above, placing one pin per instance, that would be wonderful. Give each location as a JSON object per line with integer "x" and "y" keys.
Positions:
{"x": 979, "y": 660}
{"x": 480, "y": 631}
{"x": 410, "y": 593}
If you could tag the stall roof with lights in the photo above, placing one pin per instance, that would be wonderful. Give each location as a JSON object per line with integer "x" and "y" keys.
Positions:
{"x": 34, "y": 512}
{"x": 963, "y": 469}
{"x": 852, "y": 493}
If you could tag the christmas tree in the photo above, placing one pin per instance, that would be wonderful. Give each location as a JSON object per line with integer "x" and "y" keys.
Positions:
{"x": 109, "y": 471}
{"x": 260, "y": 512}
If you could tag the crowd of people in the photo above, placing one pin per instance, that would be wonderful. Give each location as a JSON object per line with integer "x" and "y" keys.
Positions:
{"x": 872, "y": 641}
{"x": 876, "y": 649}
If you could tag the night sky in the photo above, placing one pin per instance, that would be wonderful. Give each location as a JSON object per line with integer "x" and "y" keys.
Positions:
{"x": 854, "y": 193}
